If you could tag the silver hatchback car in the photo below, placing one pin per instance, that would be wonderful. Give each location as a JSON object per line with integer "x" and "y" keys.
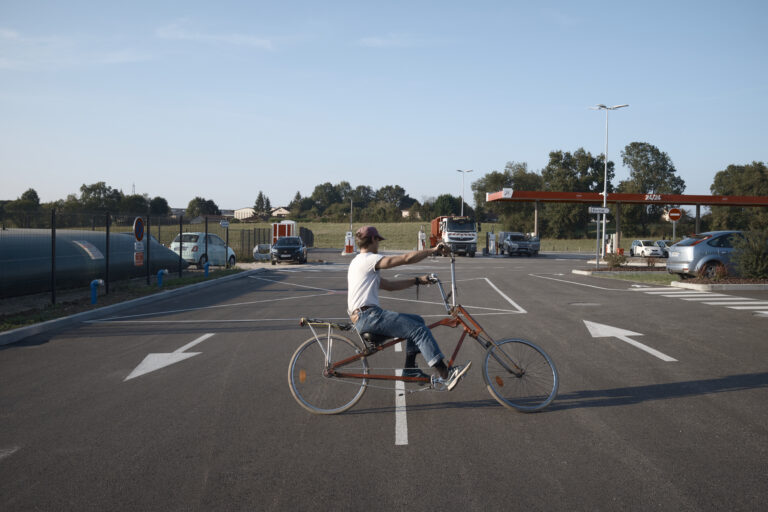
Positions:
{"x": 703, "y": 252}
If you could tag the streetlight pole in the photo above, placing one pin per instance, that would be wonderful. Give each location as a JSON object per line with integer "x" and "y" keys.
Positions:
{"x": 605, "y": 176}
{"x": 462, "y": 188}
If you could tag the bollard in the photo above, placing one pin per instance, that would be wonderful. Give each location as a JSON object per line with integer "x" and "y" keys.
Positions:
{"x": 95, "y": 289}
{"x": 160, "y": 274}
{"x": 206, "y": 266}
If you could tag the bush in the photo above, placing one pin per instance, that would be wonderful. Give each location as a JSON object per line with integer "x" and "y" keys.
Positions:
{"x": 615, "y": 260}
{"x": 750, "y": 254}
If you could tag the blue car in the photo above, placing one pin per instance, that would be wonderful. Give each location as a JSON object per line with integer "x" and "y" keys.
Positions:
{"x": 702, "y": 253}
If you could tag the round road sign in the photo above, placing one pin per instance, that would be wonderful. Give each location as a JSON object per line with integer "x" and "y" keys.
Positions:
{"x": 675, "y": 214}
{"x": 138, "y": 228}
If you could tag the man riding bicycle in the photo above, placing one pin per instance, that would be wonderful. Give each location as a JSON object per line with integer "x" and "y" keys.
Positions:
{"x": 364, "y": 281}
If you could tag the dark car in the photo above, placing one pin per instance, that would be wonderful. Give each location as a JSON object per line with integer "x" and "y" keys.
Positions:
{"x": 703, "y": 252}
{"x": 288, "y": 248}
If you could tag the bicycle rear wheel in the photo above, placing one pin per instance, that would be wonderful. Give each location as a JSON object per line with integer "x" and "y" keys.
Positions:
{"x": 313, "y": 387}
{"x": 520, "y": 375}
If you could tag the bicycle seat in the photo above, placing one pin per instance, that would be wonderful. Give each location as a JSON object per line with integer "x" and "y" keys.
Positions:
{"x": 375, "y": 339}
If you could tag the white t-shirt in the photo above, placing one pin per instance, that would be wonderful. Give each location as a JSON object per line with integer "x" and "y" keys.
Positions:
{"x": 363, "y": 281}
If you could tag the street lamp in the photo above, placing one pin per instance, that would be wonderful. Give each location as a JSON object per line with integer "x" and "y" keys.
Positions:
{"x": 462, "y": 188}
{"x": 605, "y": 177}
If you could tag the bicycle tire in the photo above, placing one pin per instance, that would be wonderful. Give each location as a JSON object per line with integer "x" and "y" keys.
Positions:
{"x": 531, "y": 391}
{"x": 313, "y": 389}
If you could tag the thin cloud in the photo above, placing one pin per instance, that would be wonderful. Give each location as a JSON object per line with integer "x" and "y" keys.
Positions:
{"x": 177, "y": 32}
{"x": 22, "y": 52}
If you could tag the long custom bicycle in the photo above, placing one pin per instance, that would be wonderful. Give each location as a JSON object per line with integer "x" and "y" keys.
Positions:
{"x": 329, "y": 372}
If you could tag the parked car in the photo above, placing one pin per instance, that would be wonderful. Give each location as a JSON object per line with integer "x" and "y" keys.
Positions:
{"x": 193, "y": 246}
{"x": 518, "y": 243}
{"x": 644, "y": 248}
{"x": 703, "y": 252}
{"x": 288, "y": 248}
{"x": 664, "y": 245}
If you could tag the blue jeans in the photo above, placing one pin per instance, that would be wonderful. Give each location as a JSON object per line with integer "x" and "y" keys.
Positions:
{"x": 401, "y": 325}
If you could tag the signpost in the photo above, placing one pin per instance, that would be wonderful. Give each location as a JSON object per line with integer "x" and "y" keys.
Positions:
{"x": 675, "y": 214}
{"x": 598, "y": 210}
{"x": 138, "y": 232}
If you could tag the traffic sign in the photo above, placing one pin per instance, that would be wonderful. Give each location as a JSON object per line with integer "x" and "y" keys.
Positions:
{"x": 138, "y": 228}
{"x": 597, "y": 209}
{"x": 675, "y": 214}
{"x": 224, "y": 224}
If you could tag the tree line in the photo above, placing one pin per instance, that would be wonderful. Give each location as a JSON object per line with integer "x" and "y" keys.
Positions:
{"x": 651, "y": 172}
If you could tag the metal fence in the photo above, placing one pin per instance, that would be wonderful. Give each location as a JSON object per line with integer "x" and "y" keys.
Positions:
{"x": 44, "y": 251}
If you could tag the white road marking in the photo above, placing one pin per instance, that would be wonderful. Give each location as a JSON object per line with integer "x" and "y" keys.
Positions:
{"x": 7, "y": 452}
{"x": 763, "y": 305}
{"x": 401, "y": 420}
{"x": 157, "y": 361}
{"x": 578, "y": 284}
{"x": 606, "y": 331}
{"x": 521, "y": 310}
{"x": 737, "y": 303}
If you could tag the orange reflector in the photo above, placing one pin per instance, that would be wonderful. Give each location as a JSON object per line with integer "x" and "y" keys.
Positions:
{"x": 302, "y": 376}
{"x": 500, "y": 382}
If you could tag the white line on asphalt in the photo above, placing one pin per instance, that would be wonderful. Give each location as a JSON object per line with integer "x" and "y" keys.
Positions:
{"x": 762, "y": 305}
{"x": 579, "y": 284}
{"x": 295, "y": 284}
{"x": 521, "y": 310}
{"x": 648, "y": 289}
{"x": 684, "y": 295}
{"x": 672, "y": 290}
{"x": 725, "y": 297}
{"x": 401, "y": 420}
{"x": 743, "y": 303}
{"x": 7, "y": 452}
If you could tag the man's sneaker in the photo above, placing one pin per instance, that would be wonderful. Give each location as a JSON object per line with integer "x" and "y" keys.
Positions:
{"x": 455, "y": 374}
{"x": 416, "y": 372}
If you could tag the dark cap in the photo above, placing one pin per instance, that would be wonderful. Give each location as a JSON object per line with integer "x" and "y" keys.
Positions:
{"x": 369, "y": 232}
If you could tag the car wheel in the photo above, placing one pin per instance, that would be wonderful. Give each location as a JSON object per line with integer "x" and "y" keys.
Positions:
{"x": 710, "y": 269}
{"x": 203, "y": 260}
{"x": 274, "y": 262}
{"x": 231, "y": 262}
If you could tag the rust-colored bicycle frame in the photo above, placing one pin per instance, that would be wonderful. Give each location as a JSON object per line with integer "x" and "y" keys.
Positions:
{"x": 458, "y": 317}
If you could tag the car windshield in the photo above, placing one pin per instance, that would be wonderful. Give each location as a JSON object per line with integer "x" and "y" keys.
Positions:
{"x": 516, "y": 238}
{"x": 287, "y": 241}
{"x": 646, "y": 242}
{"x": 187, "y": 238}
{"x": 461, "y": 225}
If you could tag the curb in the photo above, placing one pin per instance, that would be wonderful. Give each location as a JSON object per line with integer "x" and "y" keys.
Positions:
{"x": 19, "y": 334}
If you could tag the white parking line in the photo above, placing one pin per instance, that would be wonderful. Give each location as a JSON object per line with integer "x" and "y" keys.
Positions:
{"x": 401, "y": 420}
{"x": 743, "y": 303}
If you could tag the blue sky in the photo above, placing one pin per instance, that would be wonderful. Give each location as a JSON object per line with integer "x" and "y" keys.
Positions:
{"x": 223, "y": 99}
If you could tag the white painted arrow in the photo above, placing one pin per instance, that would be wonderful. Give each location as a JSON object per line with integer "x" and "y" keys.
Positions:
{"x": 156, "y": 361}
{"x": 606, "y": 331}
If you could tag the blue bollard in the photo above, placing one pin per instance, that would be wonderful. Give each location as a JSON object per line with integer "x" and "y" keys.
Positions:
{"x": 207, "y": 264}
{"x": 160, "y": 274}
{"x": 95, "y": 289}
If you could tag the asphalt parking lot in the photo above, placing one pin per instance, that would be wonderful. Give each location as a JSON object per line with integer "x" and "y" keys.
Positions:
{"x": 183, "y": 403}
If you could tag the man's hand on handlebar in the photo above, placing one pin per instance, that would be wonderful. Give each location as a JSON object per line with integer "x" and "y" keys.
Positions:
{"x": 427, "y": 279}
{"x": 442, "y": 249}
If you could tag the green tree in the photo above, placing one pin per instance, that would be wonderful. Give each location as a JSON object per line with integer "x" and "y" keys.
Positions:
{"x": 650, "y": 172}
{"x": 514, "y": 215}
{"x": 571, "y": 172}
{"x": 99, "y": 197}
{"x": 159, "y": 206}
{"x": 200, "y": 206}
{"x": 259, "y": 206}
{"x": 741, "y": 180}
{"x": 446, "y": 204}
{"x": 134, "y": 204}
{"x": 392, "y": 194}
{"x": 362, "y": 196}
{"x": 325, "y": 195}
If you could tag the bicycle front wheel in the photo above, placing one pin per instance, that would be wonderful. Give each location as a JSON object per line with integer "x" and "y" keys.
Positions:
{"x": 319, "y": 391}
{"x": 520, "y": 375}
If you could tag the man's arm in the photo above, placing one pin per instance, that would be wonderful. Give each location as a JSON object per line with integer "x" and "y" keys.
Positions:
{"x": 408, "y": 258}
